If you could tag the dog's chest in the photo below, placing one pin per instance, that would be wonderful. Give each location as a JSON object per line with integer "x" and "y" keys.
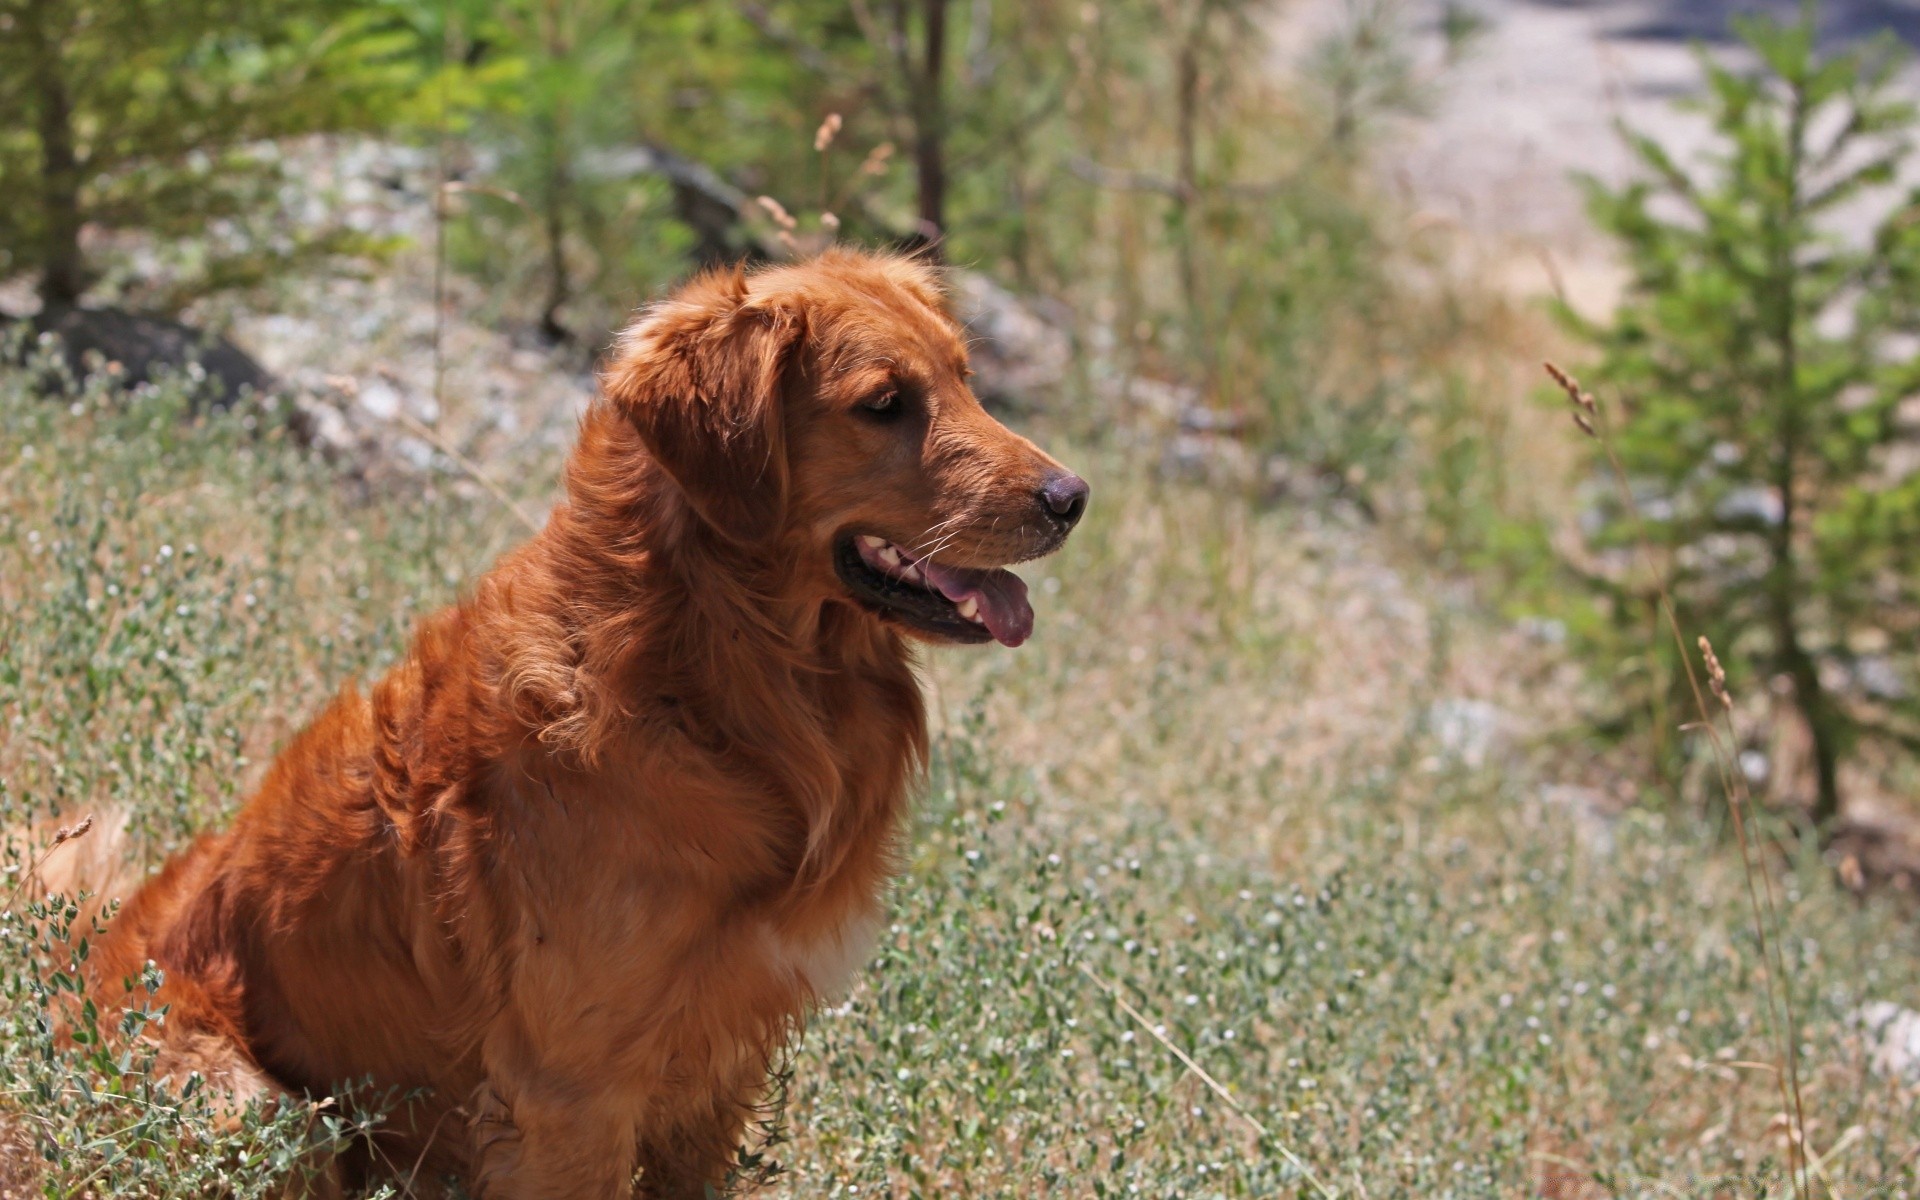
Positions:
{"x": 657, "y": 851}
{"x": 823, "y": 960}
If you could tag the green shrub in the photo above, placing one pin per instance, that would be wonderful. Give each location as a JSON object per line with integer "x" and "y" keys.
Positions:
{"x": 1758, "y": 364}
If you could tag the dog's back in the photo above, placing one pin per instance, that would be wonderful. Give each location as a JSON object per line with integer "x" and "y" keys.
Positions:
{"x": 309, "y": 948}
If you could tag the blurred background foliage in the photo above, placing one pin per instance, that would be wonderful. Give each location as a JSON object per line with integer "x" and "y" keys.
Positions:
{"x": 1135, "y": 160}
{"x": 1136, "y": 168}
{"x": 162, "y": 117}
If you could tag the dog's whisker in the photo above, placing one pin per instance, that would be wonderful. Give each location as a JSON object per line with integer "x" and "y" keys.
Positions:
{"x": 939, "y": 542}
{"x": 926, "y": 550}
{"x": 927, "y": 545}
{"x": 923, "y": 547}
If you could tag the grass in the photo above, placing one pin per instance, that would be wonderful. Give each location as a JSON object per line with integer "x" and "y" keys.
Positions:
{"x": 1207, "y": 808}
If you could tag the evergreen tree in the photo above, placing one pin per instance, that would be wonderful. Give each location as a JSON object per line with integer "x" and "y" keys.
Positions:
{"x": 1760, "y": 362}
{"x": 142, "y": 114}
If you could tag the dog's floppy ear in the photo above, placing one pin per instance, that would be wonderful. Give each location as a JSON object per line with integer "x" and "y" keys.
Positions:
{"x": 701, "y": 379}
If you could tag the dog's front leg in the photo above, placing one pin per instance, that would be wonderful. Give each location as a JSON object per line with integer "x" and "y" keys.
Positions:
{"x": 682, "y": 1159}
{"x": 537, "y": 1136}
{"x": 537, "y": 1140}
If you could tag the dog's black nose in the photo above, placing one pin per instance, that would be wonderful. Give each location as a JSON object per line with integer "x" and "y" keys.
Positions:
{"x": 1065, "y": 496}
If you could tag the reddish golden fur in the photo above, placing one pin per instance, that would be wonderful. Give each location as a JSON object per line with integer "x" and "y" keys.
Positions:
{"x": 574, "y": 866}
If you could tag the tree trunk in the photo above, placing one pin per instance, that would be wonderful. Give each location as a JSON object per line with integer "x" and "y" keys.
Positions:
{"x": 1187, "y": 137}
{"x": 1790, "y": 653}
{"x": 558, "y": 193}
{"x": 62, "y": 269}
{"x": 930, "y": 124}
{"x": 1817, "y": 706}
{"x": 559, "y": 37}
{"x": 1783, "y": 576}
{"x": 1809, "y": 696}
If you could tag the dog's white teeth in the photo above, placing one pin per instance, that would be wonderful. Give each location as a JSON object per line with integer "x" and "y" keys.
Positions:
{"x": 890, "y": 557}
{"x": 970, "y": 608}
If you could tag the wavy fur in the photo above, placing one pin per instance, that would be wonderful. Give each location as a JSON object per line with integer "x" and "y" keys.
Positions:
{"x": 572, "y": 868}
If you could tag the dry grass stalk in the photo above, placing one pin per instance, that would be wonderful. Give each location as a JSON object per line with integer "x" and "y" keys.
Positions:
{"x": 458, "y": 187}
{"x": 783, "y": 219}
{"x": 778, "y": 212}
{"x": 420, "y": 429}
{"x": 1852, "y": 876}
{"x": 1586, "y": 415}
{"x": 1585, "y": 408}
{"x": 61, "y": 837}
{"x": 1219, "y": 1089}
{"x": 1772, "y": 952}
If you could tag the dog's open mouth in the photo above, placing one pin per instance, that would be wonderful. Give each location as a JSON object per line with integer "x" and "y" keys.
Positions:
{"x": 959, "y": 604}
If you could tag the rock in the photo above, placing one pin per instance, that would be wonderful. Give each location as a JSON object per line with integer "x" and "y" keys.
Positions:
{"x": 1877, "y": 676}
{"x": 1893, "y": 1039}
{"x": 1019, "y": 356}
{"x": 1882, "y": 848}
{"x": 713, "y": 209}
{"x": 1752, "y": 506}
{"x": 1287, "y": 480}
{"x": 1218, "y": 462}
{"x": 1546, "y": 630}
{"x": 323, "y": 425}
{"x": 1471, "y": 732}
{"x": 379, "y": 398}
{"x": 1169, "y": 403}
{"x": 1198, "y": 418}
{"x": 146, "y": 345}
{"x": 357, "y": 421}
{"x": 1587, "y": 809}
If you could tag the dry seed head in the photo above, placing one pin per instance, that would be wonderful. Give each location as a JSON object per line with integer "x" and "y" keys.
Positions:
{"x": 1716, "y": 674}
{"x": 823, "y": 137}
{"x": 1578, "y": 397}
{"x": 777, "y": 211}
{"x": 876, "y": 160}
{"x": 1784, "y": 1125}
{"x": 1851, "y": 876}
{"x": 63, "y": 835}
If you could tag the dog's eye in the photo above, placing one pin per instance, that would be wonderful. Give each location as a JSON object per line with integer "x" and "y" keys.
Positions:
{"x": 883, "y": 403}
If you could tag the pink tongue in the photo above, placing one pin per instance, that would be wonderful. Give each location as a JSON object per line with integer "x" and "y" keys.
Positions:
{"x": 1002, "y": 597}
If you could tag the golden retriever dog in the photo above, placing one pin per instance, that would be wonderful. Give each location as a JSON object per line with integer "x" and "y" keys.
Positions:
{"x": 575, "y": 868}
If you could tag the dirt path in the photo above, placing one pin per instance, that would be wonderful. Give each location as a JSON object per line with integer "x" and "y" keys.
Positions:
{"x": 1533, "y": 97}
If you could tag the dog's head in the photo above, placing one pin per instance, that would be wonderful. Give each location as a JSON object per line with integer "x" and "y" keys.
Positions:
{"x": 822, "y": 409}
